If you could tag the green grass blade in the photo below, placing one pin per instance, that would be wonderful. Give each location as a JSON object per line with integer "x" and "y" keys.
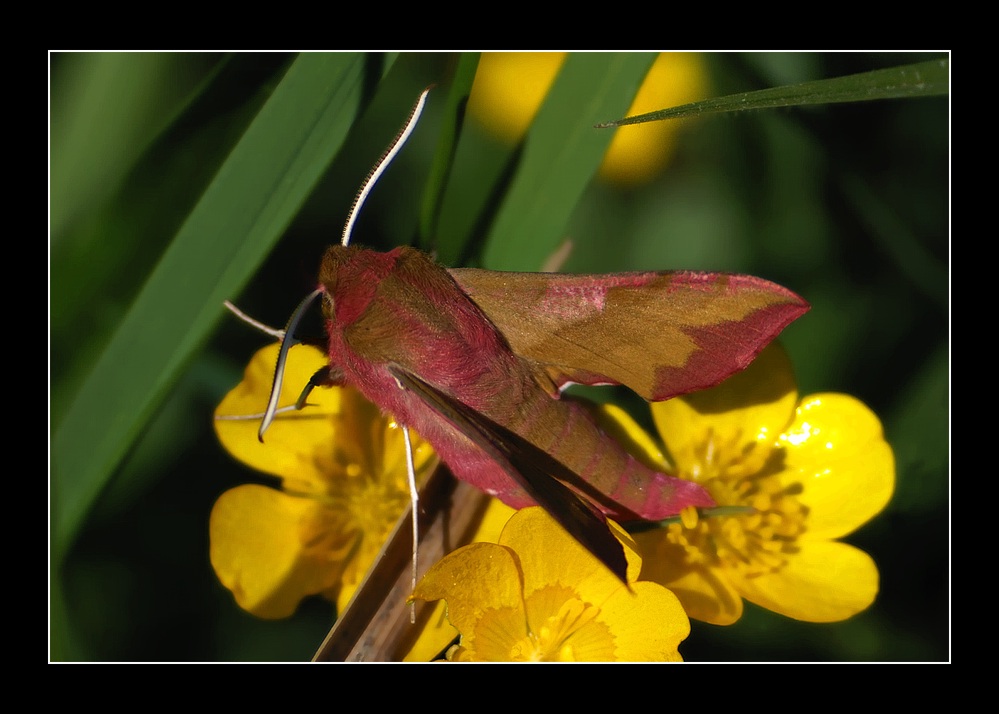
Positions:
{"x": 131, "y": 96}
{"x": 561, "y": 153}
{"x": 241, "y": 215}
{"x": 440, "y": 171}
{"x": 101, "y": 261}
{"x": 924, "y": 79}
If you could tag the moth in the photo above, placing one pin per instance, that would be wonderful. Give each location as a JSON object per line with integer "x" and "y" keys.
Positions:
{"x": 476, "y": 362}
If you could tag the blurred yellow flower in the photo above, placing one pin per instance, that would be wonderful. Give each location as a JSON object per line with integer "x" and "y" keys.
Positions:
{"x": 510, "y": 87}
{"x": 806, "y": 472}
{"x": 342, "y": 485}
{"x": 537, "y": 595}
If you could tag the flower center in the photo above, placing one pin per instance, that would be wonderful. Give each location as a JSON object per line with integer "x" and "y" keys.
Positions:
{"x": 356, "y": 510}
{"x": 754, "y": 543}
{"x": 372, "y": 506}
{"x": 554, "y": 626}
{"x": 562, "y": 628}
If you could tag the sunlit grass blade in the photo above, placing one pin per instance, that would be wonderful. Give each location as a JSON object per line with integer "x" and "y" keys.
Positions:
{"x": 924, "y": 79}
{"x": 243, "y": 212}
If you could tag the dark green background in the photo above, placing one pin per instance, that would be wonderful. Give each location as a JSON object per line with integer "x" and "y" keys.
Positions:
{"x": 846, "y": 204}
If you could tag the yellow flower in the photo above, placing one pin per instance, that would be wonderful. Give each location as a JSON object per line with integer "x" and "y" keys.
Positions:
{"x": 437, "y": 633}
{"x": 804, "y": 472}
{"x": 537, "y": 595}
{"x": 510, "y": 87}
{"x": 342, "y": 478}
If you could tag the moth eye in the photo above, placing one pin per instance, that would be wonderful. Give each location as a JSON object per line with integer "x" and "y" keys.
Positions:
{"x": 328, "y": 306}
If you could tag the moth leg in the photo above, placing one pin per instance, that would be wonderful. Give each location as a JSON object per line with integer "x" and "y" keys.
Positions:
{"x": 414, "y": 498}
{"x": 327, "y": 376}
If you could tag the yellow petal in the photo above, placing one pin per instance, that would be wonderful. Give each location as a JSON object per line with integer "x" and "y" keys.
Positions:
{"x": 259, "y": 549}
{"x": 493, "y": 521}
{"x": 293, "y": 440}
{"x": 548, "y": 555}
{"x": 620, "y": 426}
{"x": 705, "y": 591}
{"x": 826, "y": 581}
{"x": 749, "y": 408}
{"x": 473, "y": 579}
{"x": 837, "y": 451}
{"x": 438, "y": 632}
{"x": 648, "y": 623}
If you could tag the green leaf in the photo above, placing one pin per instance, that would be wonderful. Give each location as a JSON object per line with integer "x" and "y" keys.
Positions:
{"x": 924, "y": 79}
{"x": 243, "y": 212}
